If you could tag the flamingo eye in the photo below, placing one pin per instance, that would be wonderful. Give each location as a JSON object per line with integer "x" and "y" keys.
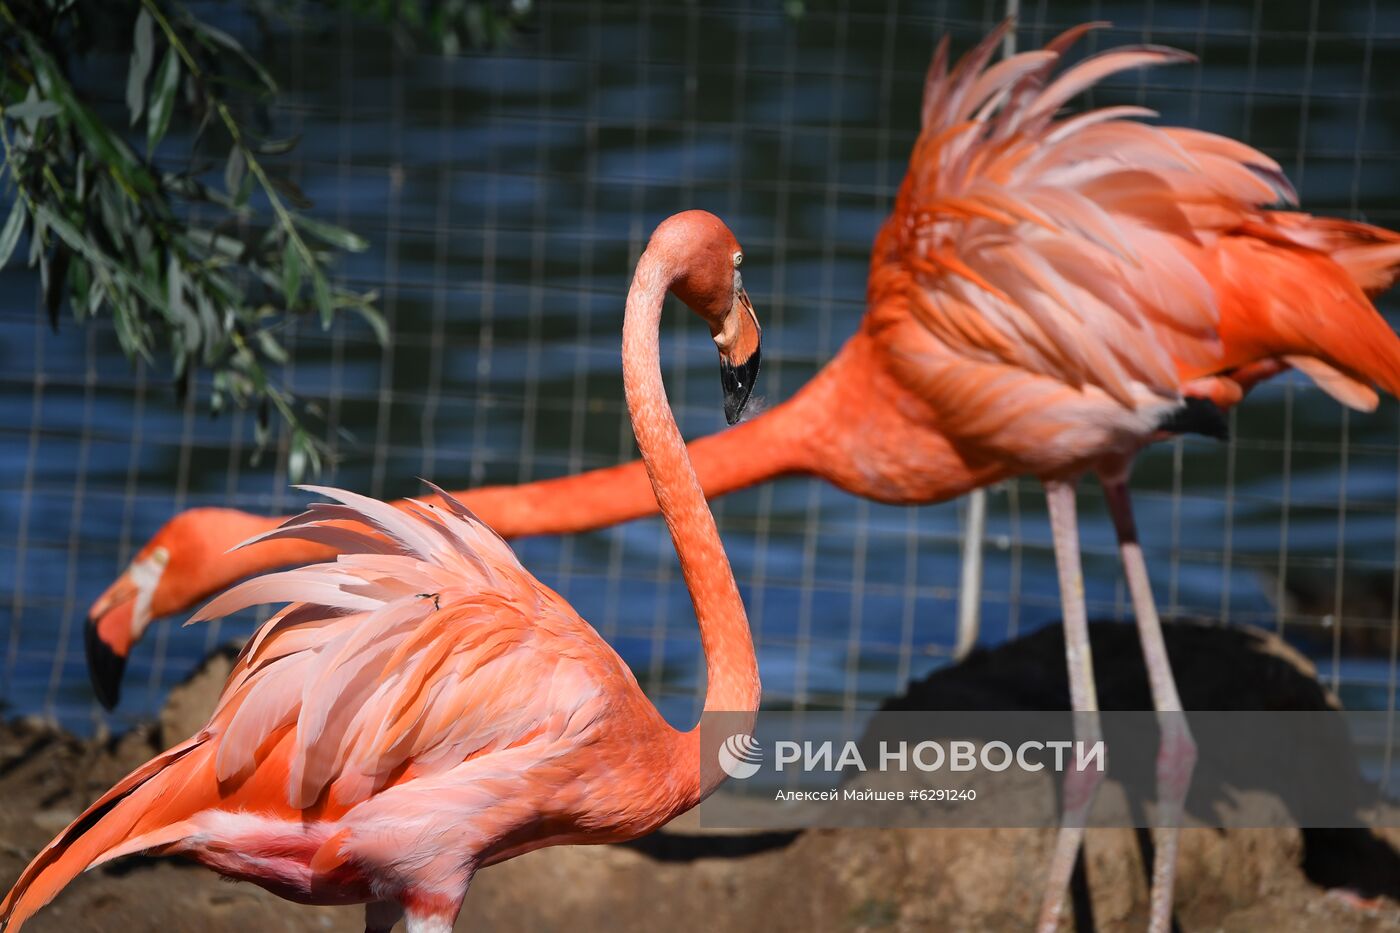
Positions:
{"x": 738, "y": 258}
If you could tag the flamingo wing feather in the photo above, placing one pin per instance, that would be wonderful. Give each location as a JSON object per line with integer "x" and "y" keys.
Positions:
{"x": 1104, "y": 255}
{"x": 369, "y": 667}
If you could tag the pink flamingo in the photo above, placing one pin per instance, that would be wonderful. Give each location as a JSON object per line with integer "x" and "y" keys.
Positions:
{"x": 1050, "y": 294}
{"x": 425, "y": 706}
{"x": 1061, "y": 291}
{"x": 864, "y": 423}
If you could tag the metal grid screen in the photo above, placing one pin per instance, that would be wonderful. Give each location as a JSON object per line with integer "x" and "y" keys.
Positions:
{"x": 507, "y": 194}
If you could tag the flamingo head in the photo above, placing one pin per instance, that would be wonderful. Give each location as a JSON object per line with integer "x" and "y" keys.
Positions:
{"x": 178, "y": 567}
{"x": 118, "y": 618}
{"x": 710, "y": 284}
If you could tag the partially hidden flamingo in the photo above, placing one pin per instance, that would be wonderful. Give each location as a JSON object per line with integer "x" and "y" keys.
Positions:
{"x": 1049, "y": 295}
{"x": 861, "y": 423}
{"x": 425, "y": 706}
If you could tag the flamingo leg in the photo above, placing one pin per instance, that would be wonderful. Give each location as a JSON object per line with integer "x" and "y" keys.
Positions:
{"x": 434, "y": 922}
{"x": 433, "y": 911}
{"x": 380, "y": 916}
{"x": 1176, "y": 755}
{"x": 1079, "y": 786}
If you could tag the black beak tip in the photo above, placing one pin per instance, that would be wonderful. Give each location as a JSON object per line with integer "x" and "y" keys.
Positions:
{"x": 105, "y": 667}
{"x": 738, "y": 382}
{"x": 1197, "y": 416}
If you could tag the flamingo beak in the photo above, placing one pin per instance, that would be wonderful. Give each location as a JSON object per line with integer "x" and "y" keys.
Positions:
{"x": 116, "y": 621}
{"x": 107, "y": 640}
{"x": 738, "y": 364}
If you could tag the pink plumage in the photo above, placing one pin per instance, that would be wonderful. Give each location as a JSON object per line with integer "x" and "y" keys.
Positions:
{"x": 424, "y": 706}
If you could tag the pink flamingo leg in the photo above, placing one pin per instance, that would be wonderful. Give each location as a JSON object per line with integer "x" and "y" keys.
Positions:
{"x": 1080, "y": 786}
{"x": 1176, "y": 755}
{"x": 429, "y": 923}
{"x": 434, "y": 912}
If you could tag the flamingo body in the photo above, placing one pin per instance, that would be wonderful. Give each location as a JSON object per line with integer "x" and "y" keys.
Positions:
{"x": 424, "y": 706}
{"x": 1045, "y": 296}
{"x": 372, "y": 733}
{"x": 1054, "y": 286}
{"x": 1050, "y": 294}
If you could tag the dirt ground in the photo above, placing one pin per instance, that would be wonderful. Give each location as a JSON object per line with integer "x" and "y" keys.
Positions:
{"x": 683, "y": 879}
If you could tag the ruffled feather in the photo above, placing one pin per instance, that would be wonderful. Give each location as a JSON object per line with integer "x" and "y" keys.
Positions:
{"x": 1066, "y": 245}
{"x": 424, "y": 646}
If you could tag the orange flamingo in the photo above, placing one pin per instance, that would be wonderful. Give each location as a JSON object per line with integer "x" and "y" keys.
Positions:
{"x": 1048, "y": 296}
{"x": 863, "y": 423}
{"x": 425, "y": 706}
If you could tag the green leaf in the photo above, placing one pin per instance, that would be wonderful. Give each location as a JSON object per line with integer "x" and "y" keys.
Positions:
{"x": 38, "y": 237}
{"x": 79, "y": 287}
{"x": 271, "y": 348}
{"x": 304, "y": 453}
{"x": 322, "y": 291}
{"x": 290, "y": 190}
{"x": 81, "y": 245}
{"x": 375, "y": 320}
{"x": 30, "y": 97}
{"x": 233, "y": 171}
{"x": 188, "y": 271}
{"x": 209, "y": 321}
{"x": 14, "y": 226}
{"x": 109, "y": 149}
{"x": 142, "y": 54}
{"x": 297, "y": 457}
{"x": 162, "y": 100}
{"x": 335, "y": 236}
{"x": 226, "y": 246}
{"x": 95, "y": 296}
{"x": 216, "y": 36}
{"x": 216, "y": 398}
{"x": 291, "y": 273}
{"x": 278, "y": 146}
{"x": 32, "y": 110}
{"x": 128, "y": 334}
{"x": 183, "y": 315}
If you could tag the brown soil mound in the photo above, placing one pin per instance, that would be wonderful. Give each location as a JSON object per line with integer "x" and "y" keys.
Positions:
{"x": 867, "y": 880}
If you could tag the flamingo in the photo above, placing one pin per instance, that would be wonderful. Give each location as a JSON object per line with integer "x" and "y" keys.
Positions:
{"x": 859, "y": 424}
{"x": 425, "y": 706}
{"x": 1049, "y": 295}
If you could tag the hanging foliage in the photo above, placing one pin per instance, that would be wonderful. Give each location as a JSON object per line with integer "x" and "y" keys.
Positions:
{"x": 118, "y": 224}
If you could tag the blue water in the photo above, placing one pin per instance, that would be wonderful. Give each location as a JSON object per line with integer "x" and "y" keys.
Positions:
{"x": 506, "y": 195}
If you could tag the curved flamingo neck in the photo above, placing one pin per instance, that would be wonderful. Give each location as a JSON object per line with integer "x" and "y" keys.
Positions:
{"x": 204, "y": 562}
{"x": 765, "y": 447}
{"x": 732, "y": 668}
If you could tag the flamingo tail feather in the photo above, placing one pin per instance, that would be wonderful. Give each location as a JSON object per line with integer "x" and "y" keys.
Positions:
{"x": 93, "y": 838}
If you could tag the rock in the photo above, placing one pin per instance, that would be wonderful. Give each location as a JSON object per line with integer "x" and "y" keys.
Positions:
{"x": 1217, "y": 667}
{"x": 191, "y": 701}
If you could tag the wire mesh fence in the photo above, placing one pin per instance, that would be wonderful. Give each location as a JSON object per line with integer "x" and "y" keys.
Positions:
{"x": 507, "y": 193}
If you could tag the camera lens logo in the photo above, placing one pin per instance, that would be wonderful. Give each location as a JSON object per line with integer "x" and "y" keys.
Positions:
{"x": 740, "y": 756}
